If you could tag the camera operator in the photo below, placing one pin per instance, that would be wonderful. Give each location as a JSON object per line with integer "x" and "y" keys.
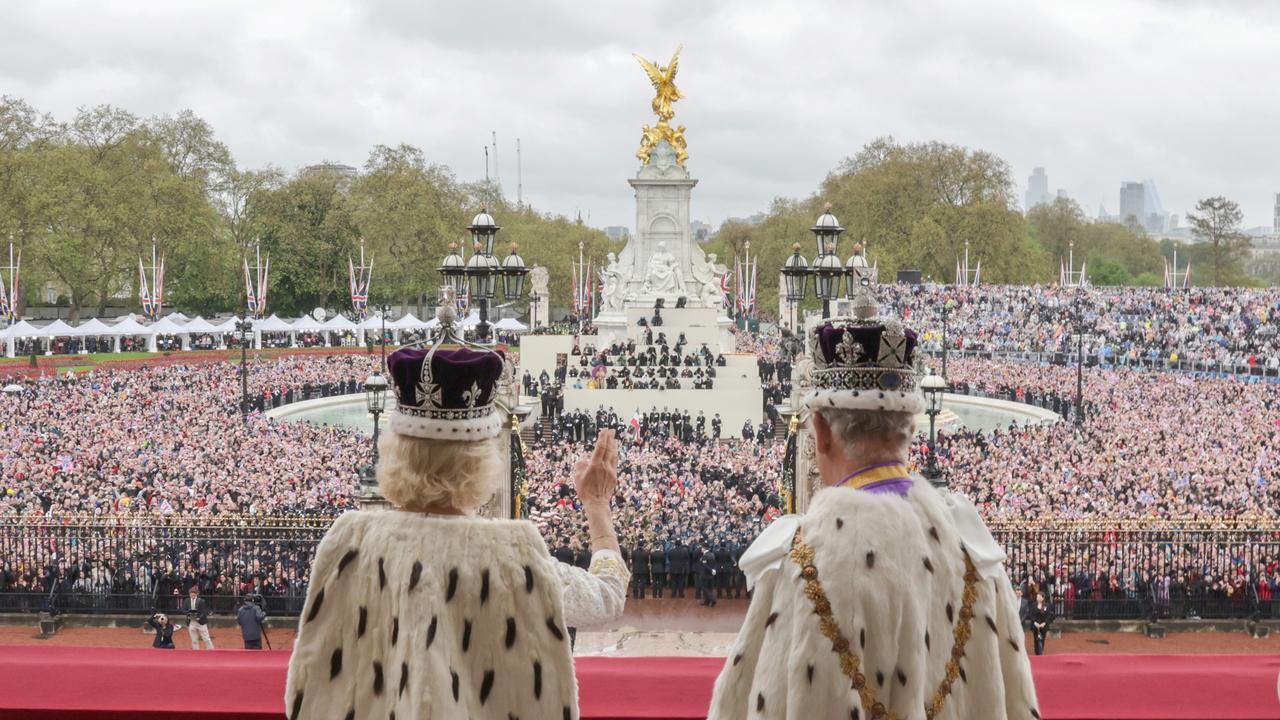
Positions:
{"x": 251, "y": 618}
{"x": 164, "y": 631}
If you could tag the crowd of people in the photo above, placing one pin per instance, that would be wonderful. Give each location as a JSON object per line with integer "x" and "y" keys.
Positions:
{"x": 1214, "y": 328}
{"x": 1161, "y": 449}
{"x": 169, "y": 444}
{"x": 687, "y": 508}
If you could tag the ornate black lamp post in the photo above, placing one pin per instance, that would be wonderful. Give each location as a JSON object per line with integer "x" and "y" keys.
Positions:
{"x": 453, "y": 270}
{"x": 482, "y": 270}
{"x": 933, "y": 387}
{"x": 513, "y": 272}
{"x": 827, "y": 269}
{"x": 375, "y": 399}
{"x": 795, "y": 271}
{"x": 243, "y": 327}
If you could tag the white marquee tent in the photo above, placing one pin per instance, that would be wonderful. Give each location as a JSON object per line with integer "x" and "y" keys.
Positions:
{"x": 129, "y": 327}
{"x": 93, "y": 328}
{"x": 272, "y": 324}
{"x": 167, "y": 326}
{"x": 21, "y": 329}
{"x": 227, "y": 326}
{"x": 306, "y": 323}
{"x": 57, "y": 328}
{"x": 510, "y": 324}
{"x": 176, "y": 324}
{"x": 200, "y": 326}
{"x": 340, "y": 323}
{"x": 407, "y": 322}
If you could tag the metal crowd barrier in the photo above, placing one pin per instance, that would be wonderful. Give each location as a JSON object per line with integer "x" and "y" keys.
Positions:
{"x": 237, "y": 545}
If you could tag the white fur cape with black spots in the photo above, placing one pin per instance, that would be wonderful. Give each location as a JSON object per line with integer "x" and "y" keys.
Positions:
{"x": 884, "y": 581}
{"x": 414, "y": 617}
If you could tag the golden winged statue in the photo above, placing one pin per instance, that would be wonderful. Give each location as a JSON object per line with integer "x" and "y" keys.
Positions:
{"x": 664, "y": 82}
{"x": 663, "y": 79}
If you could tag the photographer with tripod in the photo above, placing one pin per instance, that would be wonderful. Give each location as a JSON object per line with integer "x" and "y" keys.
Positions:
{"x": 251, "y": 618}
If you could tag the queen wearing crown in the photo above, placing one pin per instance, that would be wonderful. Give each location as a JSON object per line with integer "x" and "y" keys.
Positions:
{"x": 429, "y": 611}
{"x": 888, "y": 599}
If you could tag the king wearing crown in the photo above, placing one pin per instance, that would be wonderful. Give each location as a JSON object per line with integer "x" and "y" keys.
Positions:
{"x": 428, "y": 610}
{"x": 888, "y": 599}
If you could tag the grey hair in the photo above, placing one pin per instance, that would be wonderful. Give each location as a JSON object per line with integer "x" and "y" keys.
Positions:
{"x": 856, "y": 427}
{"x": 415, "y": 472}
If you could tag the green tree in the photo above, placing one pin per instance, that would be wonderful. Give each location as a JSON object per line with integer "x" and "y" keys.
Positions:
{"x": 1106, "y": 271}
{"x": 1216, "y": 223}
{"x": 307, "y": 229}
{"x": 408, "y": 210}
{"x": 98, "y": 194}
{"x": 1057, "y": 226}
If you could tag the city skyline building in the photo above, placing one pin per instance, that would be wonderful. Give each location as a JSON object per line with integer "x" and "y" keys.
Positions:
{"x": 1132, "y": 203}
{"x": 1140, "y": 205}
{"x": 618, "y": 233}
{"x": 1037, "y": 189}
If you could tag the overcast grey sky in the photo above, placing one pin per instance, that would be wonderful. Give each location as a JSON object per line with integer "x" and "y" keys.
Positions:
{"x": 1097, "y": 91}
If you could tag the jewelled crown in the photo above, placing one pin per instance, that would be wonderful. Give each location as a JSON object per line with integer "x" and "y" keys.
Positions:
{"x": 864, "y": 362}
{"x": 445, "y": 393}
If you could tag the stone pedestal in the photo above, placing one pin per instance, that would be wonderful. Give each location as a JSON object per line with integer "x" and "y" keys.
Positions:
{"x": 539, "y": 310}
{"x": 662, "y": 191}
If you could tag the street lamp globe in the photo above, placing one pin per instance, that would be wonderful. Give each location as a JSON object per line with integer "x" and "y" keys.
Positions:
{"x": 482, "y": 271}
{"x": 453, "y": 270}
{"x": 826, "y": 231}
{"x": 933, "y": 386}
{"x": 375, "y": 393}
{"x": 827, "y": 270}
{"x": 483, "y": 230}
{"x": 513, "y": 272}
{"x": 796, "y": 272}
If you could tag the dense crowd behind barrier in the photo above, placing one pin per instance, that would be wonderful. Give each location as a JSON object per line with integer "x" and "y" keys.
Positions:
{"x": 1217, "y": 327}
{"x": 168, "y": 445}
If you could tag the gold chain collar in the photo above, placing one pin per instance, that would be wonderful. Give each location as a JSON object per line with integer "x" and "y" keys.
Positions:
{"x": 850, "y": 665}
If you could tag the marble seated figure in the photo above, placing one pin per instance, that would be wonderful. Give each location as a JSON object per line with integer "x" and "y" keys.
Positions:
{"x": 664, "y": 276}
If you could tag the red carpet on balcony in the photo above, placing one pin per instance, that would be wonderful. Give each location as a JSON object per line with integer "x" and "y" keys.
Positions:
{"x": 107, "y": 683}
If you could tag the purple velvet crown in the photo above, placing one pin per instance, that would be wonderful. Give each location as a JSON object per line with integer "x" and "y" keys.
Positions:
{"x": 445, "y": 393}
{"x": 864, "y": 364}
{"x": 872, "y": 344}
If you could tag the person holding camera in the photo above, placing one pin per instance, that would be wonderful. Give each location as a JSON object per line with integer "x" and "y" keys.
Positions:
{"x": 164, "y": 631}
{"x": 251, "y": 618}
{"x": 198, "y": 619}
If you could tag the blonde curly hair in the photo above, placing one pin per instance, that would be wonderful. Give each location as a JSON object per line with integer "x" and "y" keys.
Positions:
{"x": 417, "y": 472}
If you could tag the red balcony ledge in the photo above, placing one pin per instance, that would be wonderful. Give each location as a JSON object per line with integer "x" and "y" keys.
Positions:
{"x": 72, "y": 683}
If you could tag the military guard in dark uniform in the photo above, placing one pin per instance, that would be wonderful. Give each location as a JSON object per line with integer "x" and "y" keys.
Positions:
{"x": 705, "y": 575}
{"x": 657, "y": 568}
{"x": 639, "y": 571}
{"x": 679, "y": 557}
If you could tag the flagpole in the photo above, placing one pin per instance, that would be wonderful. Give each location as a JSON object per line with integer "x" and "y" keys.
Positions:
{"x": 580, "y": 269}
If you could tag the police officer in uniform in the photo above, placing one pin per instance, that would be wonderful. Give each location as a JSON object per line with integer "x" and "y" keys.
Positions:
{"x": 639, "y": 571}
{"x": 657, "y": 567}
{"x": 679, "y": 557}
{"x": 705, "y": 575}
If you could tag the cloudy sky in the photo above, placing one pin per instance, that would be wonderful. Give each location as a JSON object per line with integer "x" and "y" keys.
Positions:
{"x": 1096, "y": 91}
